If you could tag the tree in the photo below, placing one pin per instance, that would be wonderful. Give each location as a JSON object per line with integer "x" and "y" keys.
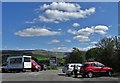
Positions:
{"x": 107, "y": 46}
{"x": 75, "y": 57}
{"x": 116, "y": 56}
{"x": 93, "y": 54}
{"x": 107, "y": 52}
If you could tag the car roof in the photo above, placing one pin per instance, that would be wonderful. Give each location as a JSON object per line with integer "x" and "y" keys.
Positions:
{"x": 32, "y": 60}
{"x": 90, "y": 62}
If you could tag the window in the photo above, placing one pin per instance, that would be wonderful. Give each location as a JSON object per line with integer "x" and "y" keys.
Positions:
{"x": 66, "y": 65}
{"x": 79, "y": 66}
{"x": 15, "y": 60}
{"x": 27, "y": 59}
{"x": 100, "y": 65}
{"x": 93, "y": 65}
{"x": 72, "y": 66}
{"x": 85, "y": 65}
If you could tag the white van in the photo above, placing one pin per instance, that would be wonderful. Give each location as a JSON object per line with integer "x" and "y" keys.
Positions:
{"x": 18, "y": 63}
{"x": 68, "y": 69}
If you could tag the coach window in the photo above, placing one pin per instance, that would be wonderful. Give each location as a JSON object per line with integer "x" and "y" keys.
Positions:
{"x": 26, "y": 59}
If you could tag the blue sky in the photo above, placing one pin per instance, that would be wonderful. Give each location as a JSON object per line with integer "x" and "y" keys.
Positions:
{"x": 57, "y": 26}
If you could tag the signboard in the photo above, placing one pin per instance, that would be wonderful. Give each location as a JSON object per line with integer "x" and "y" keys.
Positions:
{"x": 53, "y": 61}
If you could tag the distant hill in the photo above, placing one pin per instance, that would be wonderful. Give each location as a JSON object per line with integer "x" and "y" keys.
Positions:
{"x": 33, "y": 52}
{"x": 41, "y": 55}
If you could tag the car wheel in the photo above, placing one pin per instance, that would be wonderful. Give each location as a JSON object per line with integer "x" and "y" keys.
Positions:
{"x": 83, "y": 75}
{"x": 90, "y": 74}
{"x": 68, "y": 75}
{"x": 109, "y": 73}
{"x": 32, "y": 70}
{"x": 44, "y": 69}
{"x": 39, "y": 69}
{"x": 3, "y": 71}
{"x": 74, "y": 75}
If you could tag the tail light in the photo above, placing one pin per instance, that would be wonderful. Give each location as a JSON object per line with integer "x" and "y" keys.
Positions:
{"x": 82, "y": 69}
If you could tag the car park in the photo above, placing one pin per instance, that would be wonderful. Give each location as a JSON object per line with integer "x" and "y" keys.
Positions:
{"x": 90, "y": 69}
{"x": 68, "y": 68}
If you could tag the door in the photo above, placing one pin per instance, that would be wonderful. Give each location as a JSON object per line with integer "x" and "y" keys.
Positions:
{"x": 95, "y": 68}
{"x": 27, "y": 62}
{"x": 102, "y": 67}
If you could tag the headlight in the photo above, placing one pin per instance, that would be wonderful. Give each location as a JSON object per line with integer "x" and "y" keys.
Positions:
{"x": 36, "y": 67}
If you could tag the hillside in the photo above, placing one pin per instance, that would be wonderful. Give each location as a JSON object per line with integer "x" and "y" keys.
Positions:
{"x": 43, "y": 53}
{"x": 38, "y": 54}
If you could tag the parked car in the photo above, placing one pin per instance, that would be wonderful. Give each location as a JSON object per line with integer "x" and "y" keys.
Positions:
{"x": 90, "y": 69}
{"x": 43, "y": 67}
{"x": 68, "y": 68}
{"x": 35, "y": 66}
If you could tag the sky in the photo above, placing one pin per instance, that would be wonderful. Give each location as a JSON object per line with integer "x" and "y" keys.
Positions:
{"x": 57, "y": 26}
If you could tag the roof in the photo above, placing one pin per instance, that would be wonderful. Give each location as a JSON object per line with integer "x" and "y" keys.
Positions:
{"x": 18, "y": 56}
{"x": 74, "y": 63}
{"x": 90, "y": 62}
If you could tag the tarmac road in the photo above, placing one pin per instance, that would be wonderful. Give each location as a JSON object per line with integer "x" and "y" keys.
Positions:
{"x": 50, "y": 75}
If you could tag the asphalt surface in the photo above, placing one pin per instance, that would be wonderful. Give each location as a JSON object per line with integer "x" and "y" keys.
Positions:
{"x": 50, "y": 75}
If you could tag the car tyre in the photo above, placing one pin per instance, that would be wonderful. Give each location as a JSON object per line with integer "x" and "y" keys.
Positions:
{"x": 69, "y": 75}
{"x": 3, "y": 71}
{"x": 44, "y": 69}
{"x": 75, "y": 76}
{"x": 33, "y": 70}
{"x": 83, "y": 76}
{"x": 109, "y": 73}
{"x": 90, "y": 74}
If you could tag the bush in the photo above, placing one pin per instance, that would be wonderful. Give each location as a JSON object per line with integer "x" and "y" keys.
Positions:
{"x": 52, "y": 68}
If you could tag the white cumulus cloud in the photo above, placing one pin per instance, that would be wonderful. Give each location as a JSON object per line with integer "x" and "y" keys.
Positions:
{"x": 76, "y": 24}
{"x": 54, "y": 41}
{"x": 29, "y": 22}
{"x": 62, "y": 49}
{"x": 84, "y": 34}
{"x": 94, "y": 42}
{"x": 85, "y": 31}
{"x": 86, "y": 48}
{"x": 100, "y": 29}
{"x": 59, "y": 29}
{"x": 71, "y": 31}
{"x": 81, "y": 38}
{"x": 38, "y": 31}
{"x": 61, "y": 11}
{"x": 62, "y": 6}
{"x": 68, "y": 40}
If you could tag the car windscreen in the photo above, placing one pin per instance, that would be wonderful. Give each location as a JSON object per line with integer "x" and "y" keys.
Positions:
{"x": 34, "y": 63}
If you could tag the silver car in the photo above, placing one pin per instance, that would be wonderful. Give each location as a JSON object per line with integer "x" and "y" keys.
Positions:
{"x": 68, "y": 69}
